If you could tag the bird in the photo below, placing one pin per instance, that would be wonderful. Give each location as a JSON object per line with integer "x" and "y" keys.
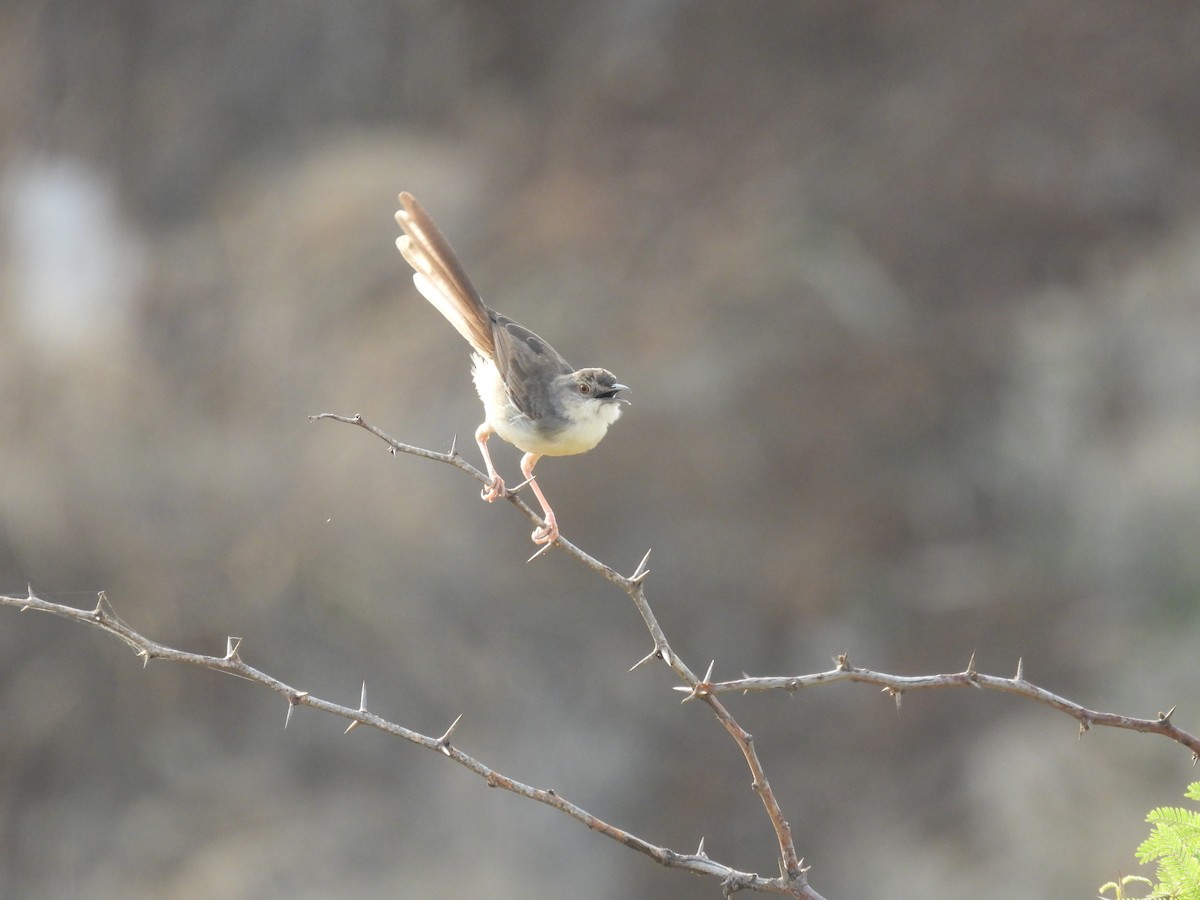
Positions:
{"x": 532, "y": 397}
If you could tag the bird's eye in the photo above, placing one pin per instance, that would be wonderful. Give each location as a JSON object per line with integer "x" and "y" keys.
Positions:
{"x": 585, "y": 388}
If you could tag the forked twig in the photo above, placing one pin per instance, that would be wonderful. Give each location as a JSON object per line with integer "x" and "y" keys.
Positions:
{"x": 793, "y": 877}
{"x": 102, "y": 616}
{"x": 792, "y": 880}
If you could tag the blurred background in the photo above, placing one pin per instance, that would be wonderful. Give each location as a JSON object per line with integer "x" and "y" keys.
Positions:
{"x": 909, "y": 297}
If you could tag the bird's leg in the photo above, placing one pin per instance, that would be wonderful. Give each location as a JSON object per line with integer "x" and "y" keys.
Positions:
{"x": 547, "y": 533}
{"x": 495, "y": 487}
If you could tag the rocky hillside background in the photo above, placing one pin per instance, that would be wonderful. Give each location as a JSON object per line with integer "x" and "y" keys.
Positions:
{"x": 909, "y": 297}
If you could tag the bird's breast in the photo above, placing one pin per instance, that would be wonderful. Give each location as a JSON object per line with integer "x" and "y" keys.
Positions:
{"x": 577, "y": 430}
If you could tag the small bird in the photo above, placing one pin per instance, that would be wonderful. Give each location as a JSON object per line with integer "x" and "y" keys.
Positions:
{"x": 531, "y": 396}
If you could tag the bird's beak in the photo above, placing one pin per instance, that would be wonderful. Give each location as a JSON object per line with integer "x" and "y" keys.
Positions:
{"x": 611, "y": 393}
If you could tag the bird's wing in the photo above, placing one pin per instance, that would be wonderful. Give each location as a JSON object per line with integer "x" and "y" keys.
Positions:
{"x": 528, "y": 366}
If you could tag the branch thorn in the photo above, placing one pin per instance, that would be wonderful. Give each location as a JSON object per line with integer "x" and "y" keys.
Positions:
{"x": 641, "y": 572}
{"x": 702, "y": 688}
{"x": 700, "y": 850}
{"x": 293, "y": 702}
{"x": 645, "y": 659}
{"x": 513, "y": 491}
{"x": 231, "y": 647}
{"x": 1165, "y": 717}
{"x": 971, "y": 670}
{"x": 362, "y": 708}
{"x": 1020, "y": 676}
{"x": 444, "y": 740}
{"x": 544, "y": 548}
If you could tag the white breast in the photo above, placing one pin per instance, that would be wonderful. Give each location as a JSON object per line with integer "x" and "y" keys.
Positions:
{"x": 588, "y": 420}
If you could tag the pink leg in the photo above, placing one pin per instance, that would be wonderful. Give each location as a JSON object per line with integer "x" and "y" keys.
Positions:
{"x": 548, "y": 533}
{"x": 495, "y": 488}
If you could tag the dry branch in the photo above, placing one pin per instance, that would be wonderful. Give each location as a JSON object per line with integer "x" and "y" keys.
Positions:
{"x": 898, "y": 685}
{"x": 792, "y": 880}
{"x": 104, "y": 617}
{"x": 791, "y": 866}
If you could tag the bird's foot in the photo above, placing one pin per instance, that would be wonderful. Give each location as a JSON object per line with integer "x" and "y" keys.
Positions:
{"x": 547, "y": 533}
{"x": 545, "y": 536}
{"x": 494, "y": 489}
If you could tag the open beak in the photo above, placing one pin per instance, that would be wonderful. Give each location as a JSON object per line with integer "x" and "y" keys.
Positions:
{"x": 611, "y": 393}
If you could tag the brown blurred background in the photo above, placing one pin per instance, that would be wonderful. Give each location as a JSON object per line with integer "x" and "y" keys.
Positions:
{"x": 909, "y": 296}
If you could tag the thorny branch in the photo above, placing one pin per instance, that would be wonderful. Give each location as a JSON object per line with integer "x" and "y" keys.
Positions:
{"x": 104, "y": 617}
{"x": 898, "y": 685}
{"x": 793, "y": 878}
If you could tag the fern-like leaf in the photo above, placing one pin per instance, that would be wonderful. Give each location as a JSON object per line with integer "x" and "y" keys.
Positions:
{"x": 1174, "y": 843}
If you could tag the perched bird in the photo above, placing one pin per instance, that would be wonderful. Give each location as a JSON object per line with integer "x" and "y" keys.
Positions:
{"x": 531, "y": 396}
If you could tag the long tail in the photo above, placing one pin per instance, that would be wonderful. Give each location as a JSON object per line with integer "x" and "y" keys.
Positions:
{"x": 441, "y": 278}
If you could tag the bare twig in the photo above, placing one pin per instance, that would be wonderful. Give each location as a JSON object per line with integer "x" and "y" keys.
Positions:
{"x": 453, "y": 458}
{"x": 792, "y": 880}
{"x": 793, "y": 873}
{"x": 699, "y": 863}
{"x": 898, "y": 685}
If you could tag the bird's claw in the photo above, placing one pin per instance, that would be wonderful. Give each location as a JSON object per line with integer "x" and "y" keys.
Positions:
{"x": 545, "y": 537}
{"x": 545, "y": 534}
{"x": 493, "y": 490}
